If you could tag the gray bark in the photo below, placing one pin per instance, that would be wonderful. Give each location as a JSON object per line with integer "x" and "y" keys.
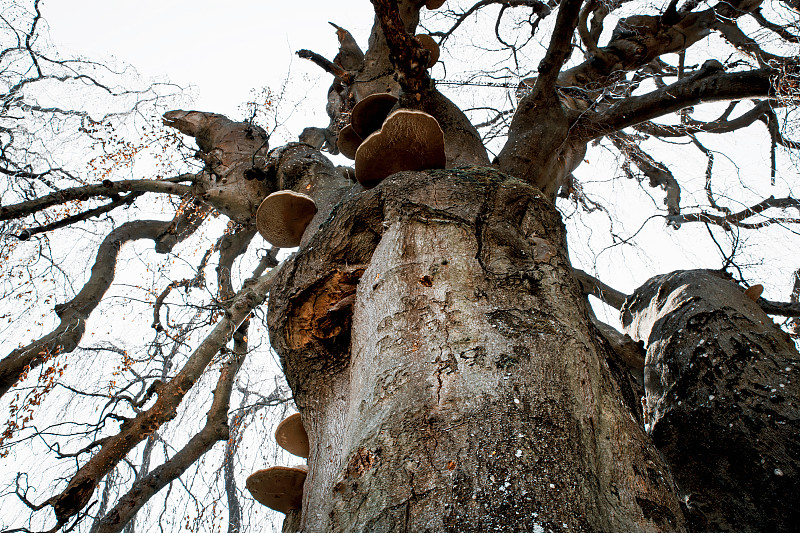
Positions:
{"x": 722, "y": 401}
{"x": 471, "y": 393}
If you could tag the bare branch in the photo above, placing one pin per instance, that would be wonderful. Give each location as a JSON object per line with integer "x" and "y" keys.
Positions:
{"x": 73, "y": 314}
{"x": 215, "y": 430}
{"x": 710, "y": 83}
{"x": 738, "y": 219}
{"x": 326, "y": 65}
{"x": 595, "y": 287}
{"x": 81, "y": 487}
{"x": 106, "y": 188}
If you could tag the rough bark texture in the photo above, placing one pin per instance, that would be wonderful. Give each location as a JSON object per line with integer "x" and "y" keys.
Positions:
{"x": 722, "y": 401}
{"x": 473, "y": 394}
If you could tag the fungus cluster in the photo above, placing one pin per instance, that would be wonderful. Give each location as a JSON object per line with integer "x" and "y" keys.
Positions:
{"x": 281, "y": 487}
{"x": 383, "y": 143}
{"x": 408, "y": 140}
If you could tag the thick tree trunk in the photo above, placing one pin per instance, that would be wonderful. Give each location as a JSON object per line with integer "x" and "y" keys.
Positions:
{"x": 471, "y": 392}
{"x": 722, "y": 401}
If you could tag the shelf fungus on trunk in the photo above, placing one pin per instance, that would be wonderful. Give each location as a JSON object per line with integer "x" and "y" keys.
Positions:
{"x": 408, "y": 140}
{"x": 348, "y": 141}
{"x": 280, "y": 487}
{"x": 754, "y": 291}
{"x": 292, "y": 437}
{"x": 431, "y": 46}
{"x": 283, "y": 217}
{"x": 368, "y": 114}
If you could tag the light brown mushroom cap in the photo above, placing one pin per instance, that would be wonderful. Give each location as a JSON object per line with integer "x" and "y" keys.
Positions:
{"x": 434, "y": 4}
{"x": 283, "y": 216}
{"x": 408, "y": 140}
{"x": 292, "y": 437}
{"x": 279, "y": 488}
{"x": 431, "y": 46}
{"x": 348, "y": 141}
{"x": 754, "y": 291}
{"x": 368, "y": 114}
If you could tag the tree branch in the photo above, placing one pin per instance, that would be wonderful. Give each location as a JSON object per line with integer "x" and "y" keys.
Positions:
{"x": 81, "y": 487}
{"x": 658, "y": 173}
{"x": 85, "y": 215}
{"x": 595, "y": 287}
{"x": 408, "y": 56}
{"x": 106, "y": 188}
{"x": 73, "y": 314}
{"x": 710, "y": 83}
{"x": 215, "y": 430}
{"x": 559, "y": 49}
{"x": 737, "y": 219}
{"x": 326, "y": 65}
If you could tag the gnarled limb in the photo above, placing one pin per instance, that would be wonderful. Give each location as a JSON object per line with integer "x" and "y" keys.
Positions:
{"x": 230, "y": 247}
{"x": 639, "y": 39}
{"x": 117, "y": 201}
{"x": 722, "y": 124}
{"x": 234, "y": 154}
{"x": 722, "y": 400}
{"x": 73, "y": 314}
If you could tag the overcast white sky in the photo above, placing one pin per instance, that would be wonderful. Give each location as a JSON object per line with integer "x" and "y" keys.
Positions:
{"x": 222, "y": 49}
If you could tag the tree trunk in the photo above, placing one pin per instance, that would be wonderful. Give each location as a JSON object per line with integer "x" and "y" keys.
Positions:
{"x": 722, "y": 401}
{"x": 442, "y": 357}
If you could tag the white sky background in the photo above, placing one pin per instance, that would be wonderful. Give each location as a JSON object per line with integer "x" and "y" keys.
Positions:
{"x": 221, "y": 50}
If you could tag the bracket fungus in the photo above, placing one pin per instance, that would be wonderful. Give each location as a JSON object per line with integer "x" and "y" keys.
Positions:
{"x": 754, "y": 291}
{"x": 368, "y": 114}
{"x": 292, "y": 437}
{"x": 280, "y": 487}
{"x": 408, "y": 140}
{"x": 283, "y": 217}
{"x": 434, "y": 4}
{"x": 431, "y": 46}
{"x": 349, "y": 141}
